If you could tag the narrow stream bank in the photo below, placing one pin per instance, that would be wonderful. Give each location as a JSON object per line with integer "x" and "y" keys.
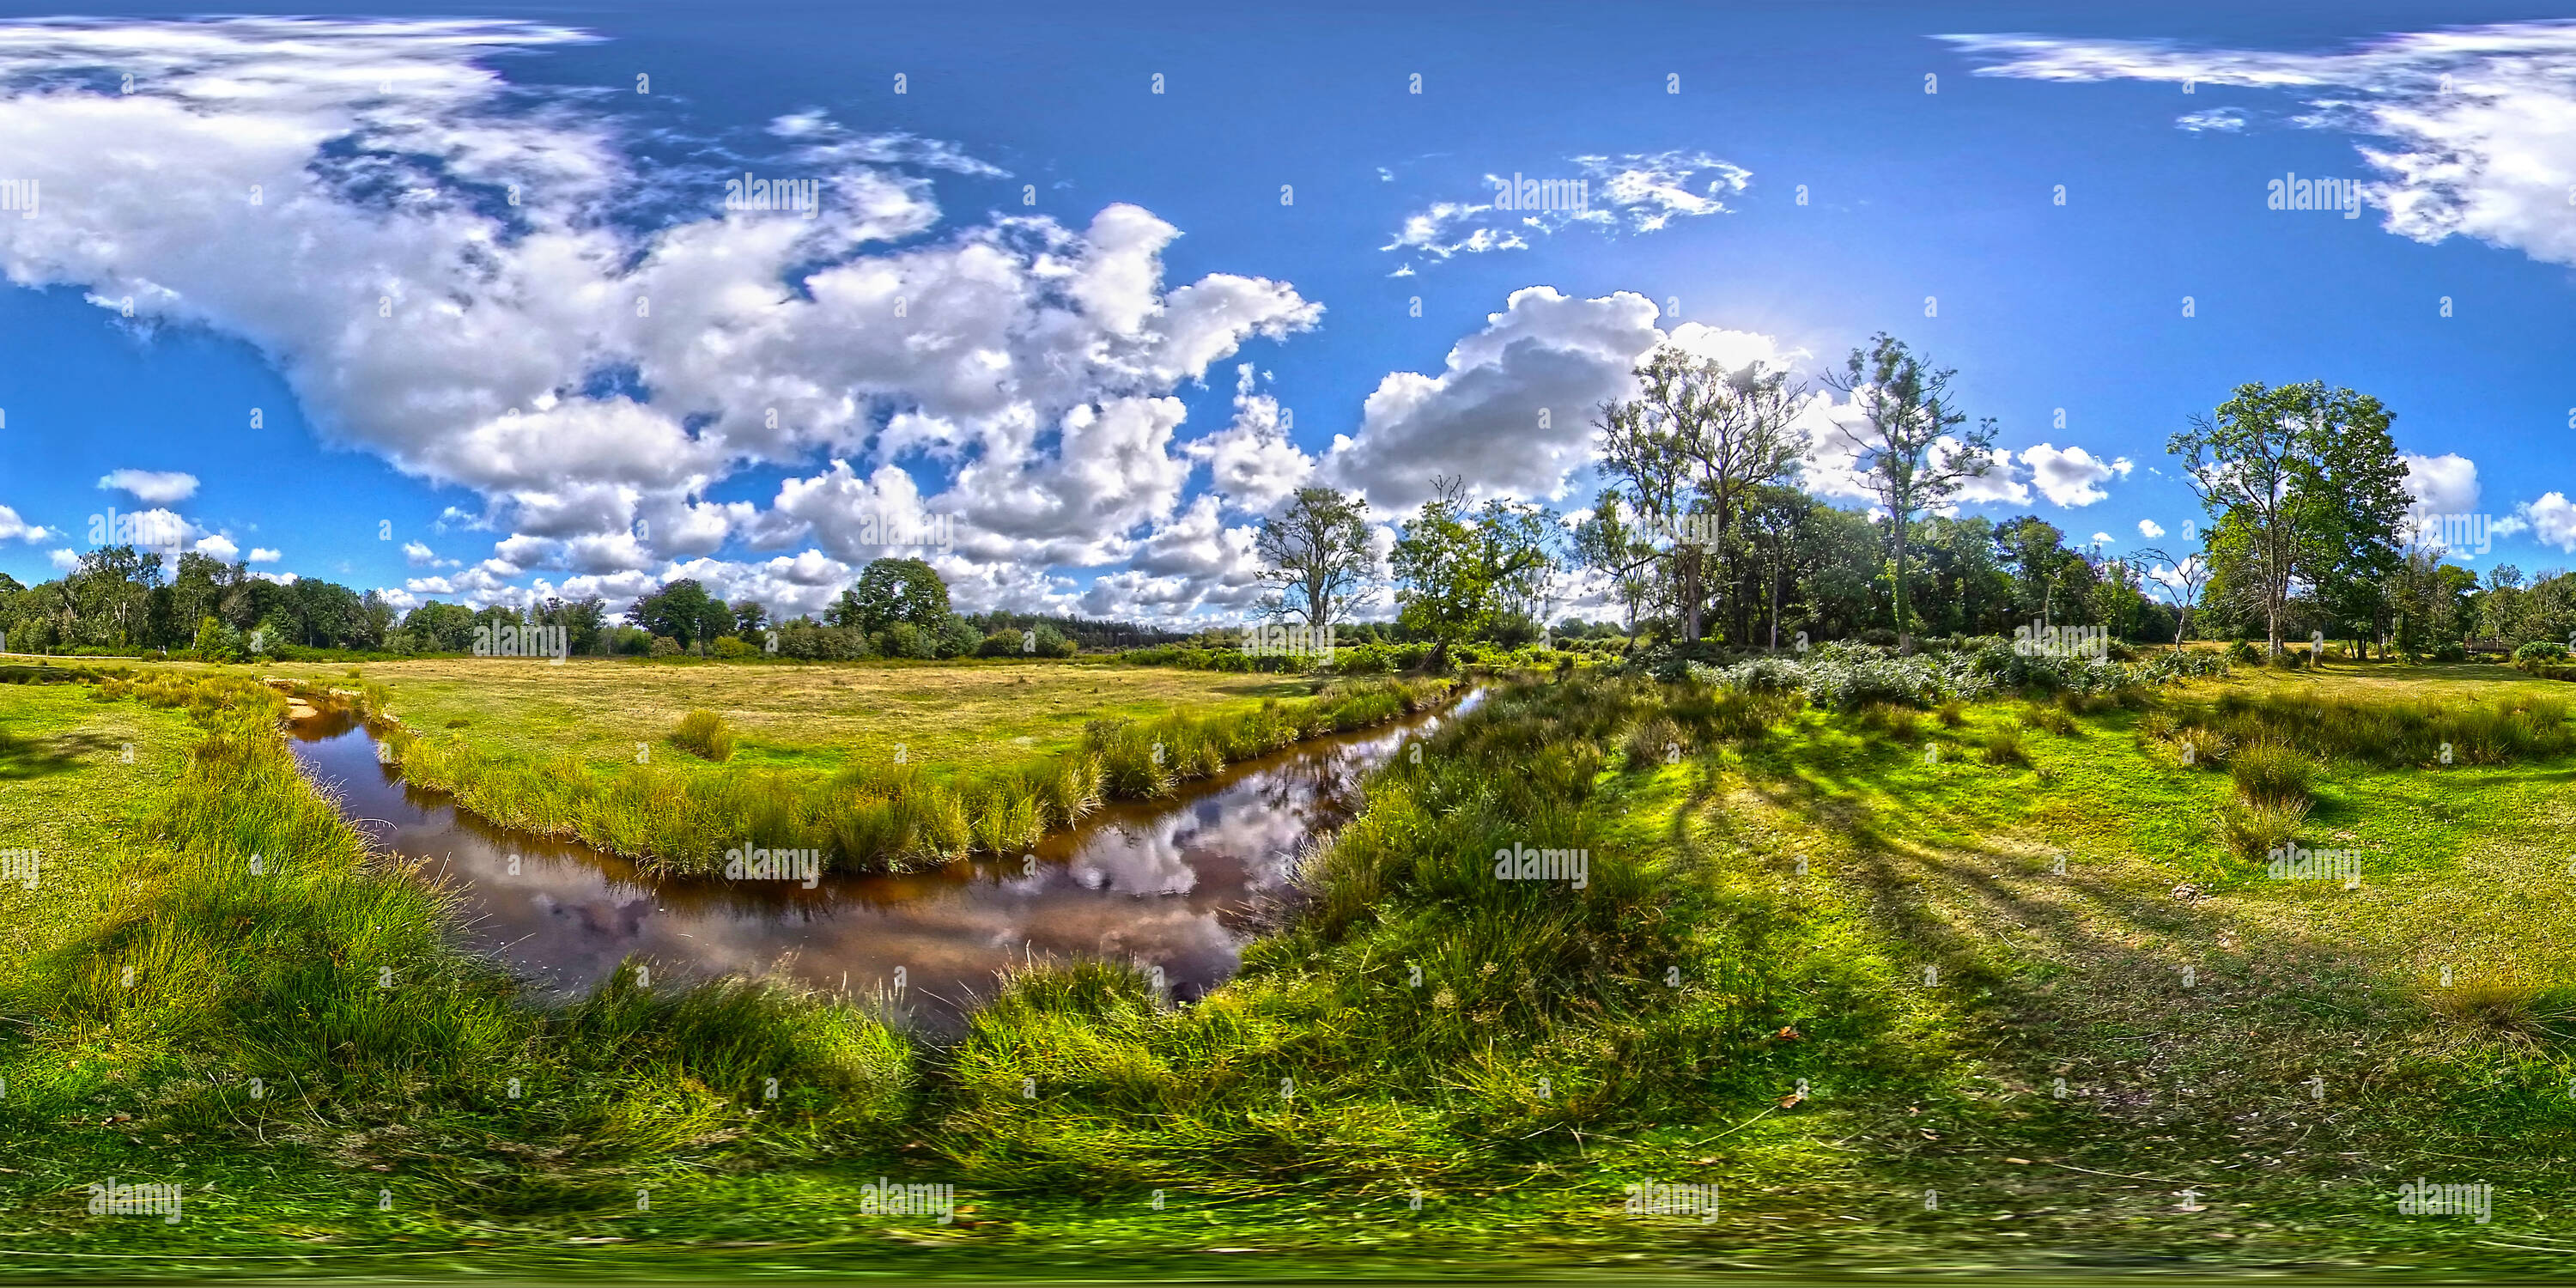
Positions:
{"x": 1168, "y": 883}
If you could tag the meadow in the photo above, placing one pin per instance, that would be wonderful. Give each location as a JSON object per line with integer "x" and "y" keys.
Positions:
{"x": 1981, "y": 983}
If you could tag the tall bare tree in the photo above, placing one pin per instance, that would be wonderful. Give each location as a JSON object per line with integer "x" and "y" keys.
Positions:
{"x": 1316, "y": 550}
{"x": 2181, "y": 579}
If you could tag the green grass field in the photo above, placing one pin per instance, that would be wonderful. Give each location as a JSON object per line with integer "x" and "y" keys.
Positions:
{"x": 1981, "y": 987}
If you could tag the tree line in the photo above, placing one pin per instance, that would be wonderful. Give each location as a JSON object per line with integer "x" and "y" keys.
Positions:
{"x": 1705, "y": 538}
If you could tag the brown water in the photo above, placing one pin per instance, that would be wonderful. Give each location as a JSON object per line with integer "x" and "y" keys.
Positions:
{"x": 1178, "y": 883}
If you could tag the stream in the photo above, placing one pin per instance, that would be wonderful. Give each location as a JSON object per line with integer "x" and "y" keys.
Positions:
{"x": 1177, "y": 883}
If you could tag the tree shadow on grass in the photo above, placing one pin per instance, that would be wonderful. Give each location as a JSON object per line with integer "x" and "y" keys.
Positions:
{"x": 24, "y": 758}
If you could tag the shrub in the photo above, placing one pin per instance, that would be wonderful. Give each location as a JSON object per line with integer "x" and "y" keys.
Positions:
{"x": 665, "y": 646}
{"x": 1953, "y": 713}
{"x": 1000, "y": 644}
{"x": 732, "y": 648}
{"x": 903, "y": 639}
{"x": 2536, "y": 655}
{"x": 1053, "y": 643}
{"x": 702, "y": 733}
{"x": 807, "y": 641}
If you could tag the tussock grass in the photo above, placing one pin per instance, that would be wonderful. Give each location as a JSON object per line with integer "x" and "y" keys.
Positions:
{"x": 2001, "y": 744}
{"x": 2393, "y": 732}
{"x": 2053, "y": 719}
{"x": 2253, "y": 829}
{"x": 2267, "y": 772}
{"x": 702, "y": 733}
{"x": 2508, "y": 1011}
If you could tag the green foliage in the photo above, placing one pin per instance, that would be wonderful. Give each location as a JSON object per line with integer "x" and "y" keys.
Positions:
{"x": 891, "y": 592}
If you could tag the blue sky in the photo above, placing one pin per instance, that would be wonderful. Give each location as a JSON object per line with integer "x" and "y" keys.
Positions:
{"x": 1085, "y": 265}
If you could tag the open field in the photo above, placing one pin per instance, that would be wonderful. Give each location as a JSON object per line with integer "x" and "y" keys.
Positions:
{"x": 1736, "y": 995}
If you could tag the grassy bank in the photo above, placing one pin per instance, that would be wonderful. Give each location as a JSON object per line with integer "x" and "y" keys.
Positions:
{"x": 872, "y": 815}
{"x": 244, "y": 994}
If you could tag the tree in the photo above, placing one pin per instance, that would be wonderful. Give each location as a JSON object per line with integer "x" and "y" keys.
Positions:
{"x": 750, "y": 618}
{"x": 110, "y": 589}
{"x": 1905, "y": 454}
{"x": 2307, "y": 480}
{"x": 2041, "y": 565}
{"x": 1316, "y": 550}
{"x": 1694, "y": 445}
{"x": 442, "y": 628}
{"x": 582, "y": 621}
{"x": 1458, "y": 570}
{"x": 2179, "y": 578}
{"x": 684, "y": 612}
{"x": 890, "y": 591}
{"x": 1609, "y": 544}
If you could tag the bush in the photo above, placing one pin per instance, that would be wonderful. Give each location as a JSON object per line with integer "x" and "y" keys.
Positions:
{"x": 1052, "y": 642}
{"x": 809, "y": 642}
{"x": 1001, "y": 644}
{"x": 732, "y": 648}
{"x": 956, "y": 638}
{"x": 665, "y": 646}
{"x": 702, "y": 733}
{"x": 2536, "y": 655}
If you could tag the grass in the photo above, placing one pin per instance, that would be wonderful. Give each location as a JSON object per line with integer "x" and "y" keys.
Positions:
{"x": 704, "y": 734}
{"x": 788, "y": 716}
{"x": 1736, "y": 994}
{"x": 872, "y": 816}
